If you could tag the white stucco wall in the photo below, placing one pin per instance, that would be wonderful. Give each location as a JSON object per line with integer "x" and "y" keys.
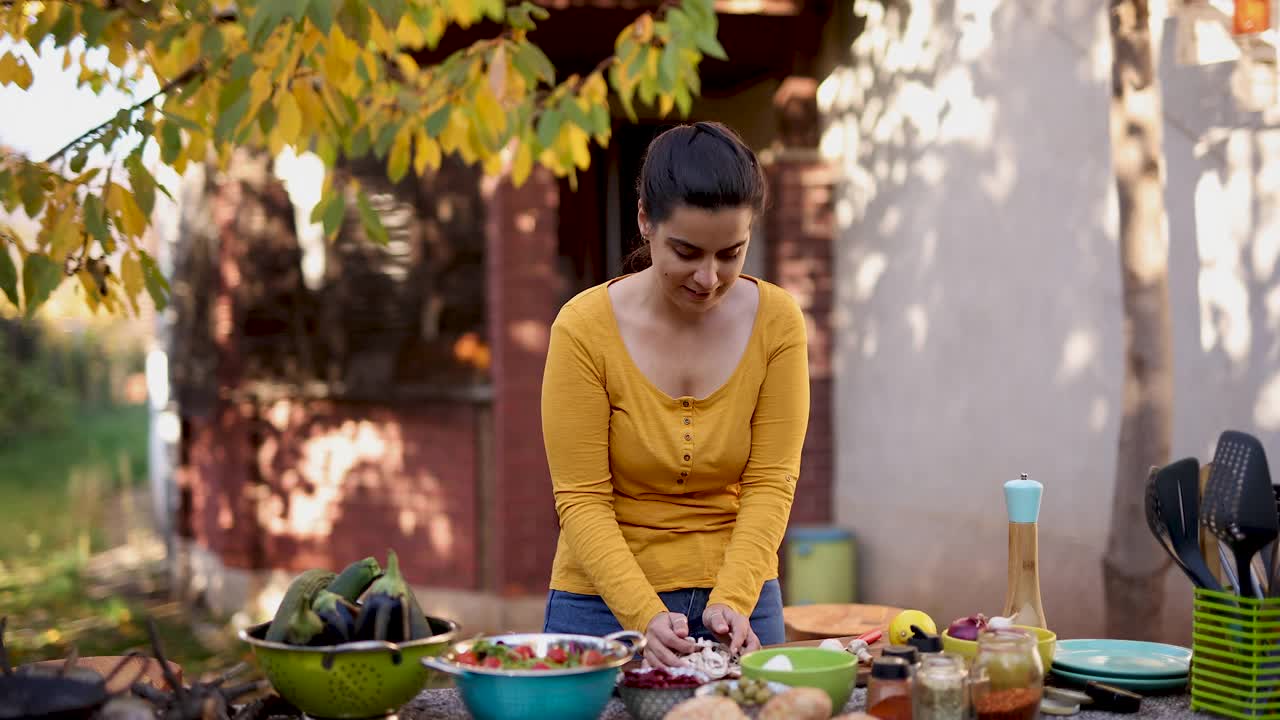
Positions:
{"x": 979, "y": 316}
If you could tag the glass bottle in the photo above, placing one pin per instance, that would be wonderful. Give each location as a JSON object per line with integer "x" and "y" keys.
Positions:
{"x": 1007, "y": 676}
{"x": 889, "y": 689}
{"x": 1022, "y": 596}
{"x": 940, "y": 688}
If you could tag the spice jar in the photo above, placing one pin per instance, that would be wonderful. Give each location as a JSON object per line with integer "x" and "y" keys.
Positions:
{"x": 909, "y": 654}
{"x": 940, "y": 688}
{"x": 889, "y": 689}
{"x": 1007, "y": 677}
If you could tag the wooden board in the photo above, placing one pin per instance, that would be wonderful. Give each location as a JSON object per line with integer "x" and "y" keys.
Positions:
{"x": 814, "y": 622}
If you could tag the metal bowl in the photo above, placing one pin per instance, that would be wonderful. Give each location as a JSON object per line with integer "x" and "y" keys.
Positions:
{"x": 364, "y": 679}
{"x": 579, "y": 693}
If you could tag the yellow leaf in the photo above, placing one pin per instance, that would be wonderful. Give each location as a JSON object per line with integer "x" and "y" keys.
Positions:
{"x": 23, "y": 78}
{"x": 594, "y": 88}
{"x": 8, "y": 68}
{"x": 90, "y": 287}
{"x": 523, "y": 163}
{"x": 576, "y": 140}
{"x": 498, "y": 73}
{"x": 65, "y": 235}
{"x": 381, "y": 38}
{"x": 334, "y": 65}
{"x": 117, "y": 51}
{"x": 493, "y": 121}
{"x": 409, "y": 34}
{"x": 426, "y": 152}
{"x": 131, "y": 276}
{"x": 665, "y": 103}
{"x": 398, "y": 160}
{"x": 493, "y": 164}
{"x": 66, "y": 58}
{"x": 259, "y": 90}
{"x": 346, "y": 49}
{"x": 122, "y": 203}
{"x": 288, "y": 118}
{"x": 408, "y": 67}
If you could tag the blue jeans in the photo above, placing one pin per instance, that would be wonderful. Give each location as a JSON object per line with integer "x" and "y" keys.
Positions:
{"x": 588, "y": 615}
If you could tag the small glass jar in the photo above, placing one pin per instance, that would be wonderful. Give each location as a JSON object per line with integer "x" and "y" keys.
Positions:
{"x": 940, "y": 688}
{"x": 889, "y": 689}
{"x": 1007, "y": 677}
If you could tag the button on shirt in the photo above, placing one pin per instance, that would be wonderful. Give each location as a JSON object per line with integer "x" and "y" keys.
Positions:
{"x": 656, "y": 493}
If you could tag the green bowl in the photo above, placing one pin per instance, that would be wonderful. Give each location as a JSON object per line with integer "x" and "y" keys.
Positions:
{"x": 835, "y": 672}
{"x": 363, "y": 679}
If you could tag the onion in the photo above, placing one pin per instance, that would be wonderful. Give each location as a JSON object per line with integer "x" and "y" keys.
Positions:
{"x": 967, "y": 628}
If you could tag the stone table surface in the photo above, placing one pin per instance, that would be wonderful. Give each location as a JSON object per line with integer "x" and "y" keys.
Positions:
{"x": 447, "y": 705}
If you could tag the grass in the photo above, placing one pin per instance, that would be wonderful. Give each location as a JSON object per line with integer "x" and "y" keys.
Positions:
{"x": 64, "y": 499}
{"x": 52, "y": 486}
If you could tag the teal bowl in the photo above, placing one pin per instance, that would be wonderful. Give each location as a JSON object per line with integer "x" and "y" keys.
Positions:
{"x": 579, "y": 693}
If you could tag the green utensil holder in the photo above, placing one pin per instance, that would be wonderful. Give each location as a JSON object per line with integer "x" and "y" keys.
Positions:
{"x": 1235, "y": 666}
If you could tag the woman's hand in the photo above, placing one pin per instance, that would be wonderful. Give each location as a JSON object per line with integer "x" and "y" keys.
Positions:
{"x": 732, "y": 625}
{"x": 667, "y": 639}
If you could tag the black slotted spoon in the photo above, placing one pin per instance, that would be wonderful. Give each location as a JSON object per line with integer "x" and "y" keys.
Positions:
{"x": 1239, "y": 502}
{"x": 1173, "y": 514}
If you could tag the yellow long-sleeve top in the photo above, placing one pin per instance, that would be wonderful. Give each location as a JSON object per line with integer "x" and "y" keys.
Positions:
{"x": 658, "y": 493}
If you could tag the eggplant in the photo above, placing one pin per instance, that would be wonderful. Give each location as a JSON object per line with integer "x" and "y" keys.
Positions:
{"x": 338, "y": 616}
{"x": 387, "y": 608}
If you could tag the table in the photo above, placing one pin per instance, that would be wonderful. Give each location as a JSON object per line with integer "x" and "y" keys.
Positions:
{"x": 447, "y": 705}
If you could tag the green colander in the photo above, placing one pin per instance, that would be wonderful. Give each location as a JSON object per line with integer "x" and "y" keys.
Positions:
{"x": 365, "y": 679}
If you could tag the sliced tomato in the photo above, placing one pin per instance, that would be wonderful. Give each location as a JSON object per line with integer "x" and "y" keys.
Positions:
{"x": 541, "y": 666}
{"x": 468, "y": 658}
{"x": 592, "y": 657}
{"x": 492, "y": 662}
{"x": 557, "y": 655}
{"x": 524, "y": 651}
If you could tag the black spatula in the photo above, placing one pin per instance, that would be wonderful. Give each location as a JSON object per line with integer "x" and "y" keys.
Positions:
{"x": 1173, "y": 511}
{"x": 1239, "y": 502}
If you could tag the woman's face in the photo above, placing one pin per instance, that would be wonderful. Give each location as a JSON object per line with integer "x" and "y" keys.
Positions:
{"x": 698, "y": 253}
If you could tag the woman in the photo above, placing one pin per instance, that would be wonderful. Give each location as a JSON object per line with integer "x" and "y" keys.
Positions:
{"x": 674, "y": 407}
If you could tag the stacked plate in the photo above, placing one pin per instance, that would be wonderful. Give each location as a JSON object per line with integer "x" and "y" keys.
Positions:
{"x": 1128, "y": 664}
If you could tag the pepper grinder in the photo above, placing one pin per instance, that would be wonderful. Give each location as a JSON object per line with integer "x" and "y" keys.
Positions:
{"x": 1022, "y": 598}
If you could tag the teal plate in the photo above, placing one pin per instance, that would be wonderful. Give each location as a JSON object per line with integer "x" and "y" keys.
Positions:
{"x": 1126, "y": 683}
{"x": 1123, "y": 659}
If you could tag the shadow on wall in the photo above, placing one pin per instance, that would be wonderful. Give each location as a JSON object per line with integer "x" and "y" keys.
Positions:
{"x": 980, "y": 319}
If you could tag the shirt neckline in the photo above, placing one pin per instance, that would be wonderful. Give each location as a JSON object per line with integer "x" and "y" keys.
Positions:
{"x": 626, "y": 353}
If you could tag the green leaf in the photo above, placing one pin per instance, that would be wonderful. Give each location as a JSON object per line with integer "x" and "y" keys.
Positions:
{"x": 384, "y": 140}
{"x": 211, "y": 42}
{"x": 40, "y": 276}
{"x": 266, "y": 16}
{"x": 170, "y": 143}
{"x": 242, "y": 67}
{"x": 157, "y": 285}
{"x": 8, "y": 274}
{"x": 537, "y": 11}
{"x": 574, "y": 113}
{"x": 320, "y": 12}
{"x": 297, "y": 9}
{"x": 600, "y": 120}
{"x": 32, "y": 191}
{"x": 77, "y": 162}
{"x": 230, "y": 118}
{"x": 533, "y": 63}
{"x": 95, "y": 218}
{"x": 548, "y": 127}
{"x": 353, "y": 18}
{"x": 37, "y": 31}
{"x": 437, "y": 120}
{"x": 667, "y": 69}
{"x": 518, "y": 18}
{"x": 709, "y": 45}
{"x": 683, "y": 101}
{"x": 65, "y": 27}
{"x": 142, "y": 183}
{"x": 359, "y": 145}
{"x": 330, "y": 212}
{"x": 389, "y": 12}
{"x": 373, "y": 227}
{"x": 93, "y": 21}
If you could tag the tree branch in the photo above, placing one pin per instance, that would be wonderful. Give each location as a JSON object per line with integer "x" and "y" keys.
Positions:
{"x": 195, "y": 70}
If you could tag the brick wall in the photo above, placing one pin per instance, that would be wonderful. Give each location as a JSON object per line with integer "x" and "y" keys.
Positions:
{"x": 293, "y": 484}
{"x": 525, "y": 292}
{"x": 800, "y": 232}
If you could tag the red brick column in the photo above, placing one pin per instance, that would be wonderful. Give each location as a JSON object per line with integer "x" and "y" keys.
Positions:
{"x": 800, "y": 231}
{"x": 524, "y": 293}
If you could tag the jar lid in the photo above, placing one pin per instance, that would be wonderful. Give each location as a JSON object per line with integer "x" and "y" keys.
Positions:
{"x": 909, "y": 654}
{"x": 890, "y": 668}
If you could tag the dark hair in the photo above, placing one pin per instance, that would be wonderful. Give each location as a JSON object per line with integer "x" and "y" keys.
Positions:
{"x": 702, "y": 165}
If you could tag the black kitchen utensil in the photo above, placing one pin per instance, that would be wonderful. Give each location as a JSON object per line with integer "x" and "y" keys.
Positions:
{"x": 1239, "y": 502}
{"x": 1173, "y": 514}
